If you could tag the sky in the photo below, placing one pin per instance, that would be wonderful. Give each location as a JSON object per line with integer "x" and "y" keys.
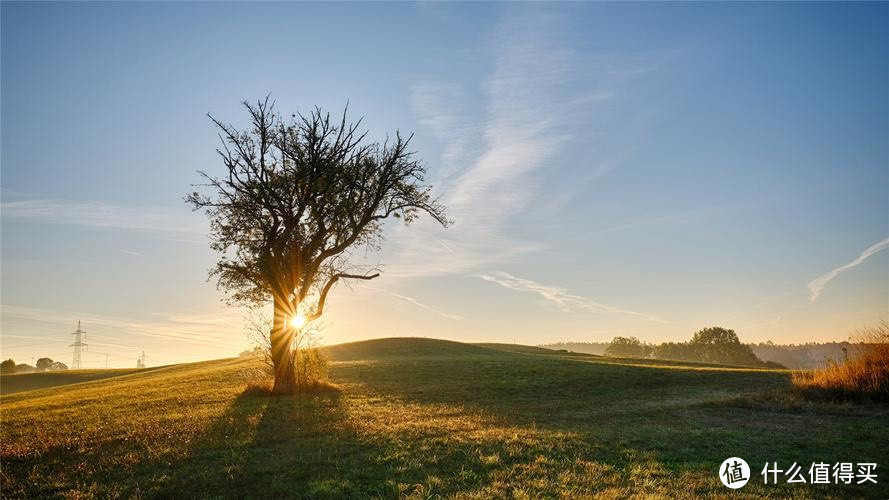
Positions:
{"x": 639, "y": 170}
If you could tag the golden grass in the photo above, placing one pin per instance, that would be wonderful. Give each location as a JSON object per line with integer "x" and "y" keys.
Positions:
{"x": 262, "y": 386}
{"x": 439, "y": 419}
{"x": 862, "y": 376}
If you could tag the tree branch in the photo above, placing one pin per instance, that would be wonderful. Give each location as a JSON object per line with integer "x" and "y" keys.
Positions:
{"x": 327, "y": 286}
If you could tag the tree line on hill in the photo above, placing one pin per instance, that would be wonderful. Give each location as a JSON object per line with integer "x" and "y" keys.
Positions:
{"x": 709, "y": 345}
{"x": 42, "y": 365}
{"x": 807, "y": 356}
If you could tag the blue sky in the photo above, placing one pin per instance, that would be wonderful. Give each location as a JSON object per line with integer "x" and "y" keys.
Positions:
{"x": 613, "y": 169}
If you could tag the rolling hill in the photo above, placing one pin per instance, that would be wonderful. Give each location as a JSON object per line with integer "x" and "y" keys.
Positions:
{"x": 423, "y": 417}
{"x": 10, "y": 384}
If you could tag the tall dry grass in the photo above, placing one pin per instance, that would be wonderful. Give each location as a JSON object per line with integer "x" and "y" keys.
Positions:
{"x": 308, "y": 360}
{"x": 862, "y": 376}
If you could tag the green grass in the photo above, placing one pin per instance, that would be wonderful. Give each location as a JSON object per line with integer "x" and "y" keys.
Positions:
{"x": 422, "y": 418}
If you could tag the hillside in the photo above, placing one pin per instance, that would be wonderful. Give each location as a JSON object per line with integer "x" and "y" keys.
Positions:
{"x": 10, "y": 384}
{"x": 428, "y": 417}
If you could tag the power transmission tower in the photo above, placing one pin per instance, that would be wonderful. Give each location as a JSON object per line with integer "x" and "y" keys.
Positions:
{"x": 78, "y": 346}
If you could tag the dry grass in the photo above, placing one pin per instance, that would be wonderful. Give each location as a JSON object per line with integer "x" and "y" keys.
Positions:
{"x": 310, "y": 373}
{"x": 863, "y": 376}
{"x": 422, "y": 418}
{"x": 264, "y": 387}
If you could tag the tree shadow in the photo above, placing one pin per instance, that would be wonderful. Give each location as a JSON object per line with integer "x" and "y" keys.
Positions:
{"x": 681, "y": 419}
{"x": 478, "y": 427}
{"x": 309, "y": 446}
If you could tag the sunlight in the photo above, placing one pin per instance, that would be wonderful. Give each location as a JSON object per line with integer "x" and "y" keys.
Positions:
{"x": 298, "y": 321}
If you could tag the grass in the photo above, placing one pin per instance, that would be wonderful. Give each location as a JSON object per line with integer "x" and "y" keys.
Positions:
{"x": 12, "y": 383}
{"x": 422, "y": 418}
{"x": 863, "y": 376}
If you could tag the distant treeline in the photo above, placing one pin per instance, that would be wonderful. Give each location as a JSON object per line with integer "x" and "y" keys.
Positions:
{"x": 43, "y": 364}
{"x": 795, "y": 356}
{"x": 803, "y": 356}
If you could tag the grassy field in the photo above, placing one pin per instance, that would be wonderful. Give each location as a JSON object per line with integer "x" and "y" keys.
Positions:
{"x": 10, "y": 384}
{"x": 423, "y": 418}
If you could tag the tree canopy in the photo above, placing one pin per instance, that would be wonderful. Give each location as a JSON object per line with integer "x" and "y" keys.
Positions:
{"x": 721, "y": 345}
{"x": 295, "y": 196}
{"x": 630, "y": 347}
{"x": 43, "y": 364}
{"x": 7, "y": 366}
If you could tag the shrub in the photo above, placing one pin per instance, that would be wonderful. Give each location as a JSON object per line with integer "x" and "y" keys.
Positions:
{"x": 863, "y": 374}
{"x": 679, "y": 351}
{"x": 7, "y": 366}
{"x": 309, "y": 362}
{"x": 43, "y": 364}
{"x": 721, "y": 345}
{"x": 629, "y": 347}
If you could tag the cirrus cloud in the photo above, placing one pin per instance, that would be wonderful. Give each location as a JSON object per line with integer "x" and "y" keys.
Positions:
{"x": 816, "y": 286}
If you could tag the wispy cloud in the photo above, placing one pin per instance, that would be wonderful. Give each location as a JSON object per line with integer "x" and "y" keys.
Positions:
{"x": 220, "y": 330}
{"x": 130, "y": 252}
{"x": 492, "y": 165}
{"x": 440, "y": 112}
{"x": 106, "y": 215}
{"x": 416, "y": 303}
{"x": 564, "y": 300}
{"x": 816, "y": 286}
{"x": 499, "y": 158}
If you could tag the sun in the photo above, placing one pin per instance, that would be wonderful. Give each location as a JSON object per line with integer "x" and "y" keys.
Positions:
{"x": 298, "y": 321}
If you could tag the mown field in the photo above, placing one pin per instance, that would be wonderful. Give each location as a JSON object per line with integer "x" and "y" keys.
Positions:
{"x": 427, "y": 418}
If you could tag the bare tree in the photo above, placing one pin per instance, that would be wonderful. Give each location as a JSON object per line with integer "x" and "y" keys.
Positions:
{"x": 296, "y": 195}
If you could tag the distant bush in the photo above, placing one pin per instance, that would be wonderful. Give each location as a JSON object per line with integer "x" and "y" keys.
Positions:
{"x": 627, "y": 347}
{"x": 43, "y": 364}
{"x": 7, "y": 366}
{"x": 680, "y": 351}
{"x": 721, "y": 345}
{"x": 863, "y": 374}
{"x": 24, "y": 368}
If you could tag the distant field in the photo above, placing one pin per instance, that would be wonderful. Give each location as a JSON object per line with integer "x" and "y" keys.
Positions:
{"x": 422, "y": 418}
{"x": 10, "y": 384}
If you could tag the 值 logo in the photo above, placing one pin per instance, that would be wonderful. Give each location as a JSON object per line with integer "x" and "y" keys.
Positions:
{"x": 734, "y": 472}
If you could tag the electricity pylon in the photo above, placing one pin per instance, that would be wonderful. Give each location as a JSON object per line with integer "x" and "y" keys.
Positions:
{"x": 78, "y": 346}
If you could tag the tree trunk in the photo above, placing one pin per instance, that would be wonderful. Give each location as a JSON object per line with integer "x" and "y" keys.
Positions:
{"x": 282, "y": 356}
